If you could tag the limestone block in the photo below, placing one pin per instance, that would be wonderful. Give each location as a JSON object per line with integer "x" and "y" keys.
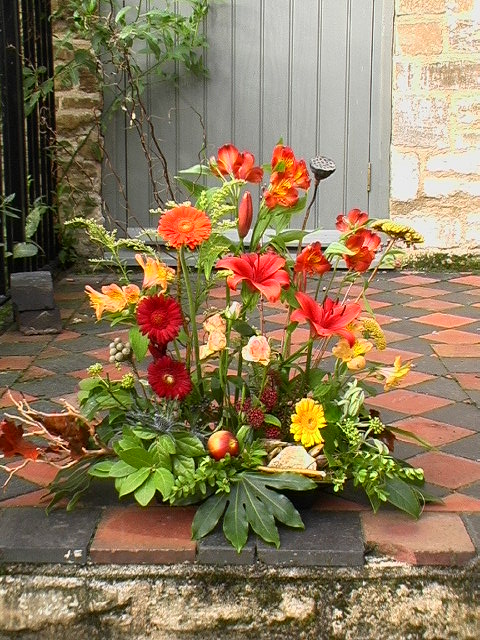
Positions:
{"x": 420, "y": 7}
{"x": 420, "y": 122}
{"x": 39, "y": 322}
{"x": 454, "y": 75}
{"x": 442, "y": 188}
{"x": 420, "y": 38}
{"x": 467, "y": 162}
{"x": 404, "y": 176}
{"x": 464, "y": 35}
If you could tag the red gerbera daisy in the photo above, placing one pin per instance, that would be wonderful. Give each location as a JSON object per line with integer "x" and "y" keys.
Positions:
{"x": 160, "y": 318}
{"x": 169, "y": 378}
{"x": 184, "y": 226}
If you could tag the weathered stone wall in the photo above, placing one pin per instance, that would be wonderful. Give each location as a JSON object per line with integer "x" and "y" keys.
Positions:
{"x": 435, "y": 154}
{"x": 78, "y": 112}
{"x": 383, "y": 600}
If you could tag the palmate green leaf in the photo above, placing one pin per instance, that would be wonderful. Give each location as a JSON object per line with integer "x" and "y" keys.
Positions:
{"x": 404, "y": 497}
{"x": 208, "y": 514}
{"x": 235, "y": 523}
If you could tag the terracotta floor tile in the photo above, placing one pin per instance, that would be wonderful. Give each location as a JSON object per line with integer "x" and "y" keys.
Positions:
{"x": 469, "y": 381}
{"x": 432, "y": 304}
{"x": 66, "y": 335}
{"x": 434, "y": 432}
{"x": 394, "y": 336}
{"x": 447, "y": 470}
{"x": 33, "y": 373}
{"x": 413, "y": 280}
{"x": 39, "y": 473}
{"x": 156, "y": 535}
{"x": 433, "y": 539}
{"x": 277, "y": 318}
{"x": 375, "y": 304}
{"x": 409, "y": 402}
{"x": 446, "y": 320}
{"x": 10, "y": 395}
{"x": 15, "y": 363}
{"x": 457, "y": 350}
{"x": 99, "y": 354}
{"x": 383, "y": 320}
{"x": 456, "y": 503}
{"x": 52, "y": 352}
{"x": 421, "y": 292}
{"x": 471, "y": 280}
{"x": 414, "y": 378}
{"x": 453, "y": 336}
{"x": 38, "y": 498}
{"x": 388, "y": 355}
{"x": 69, "y": 398}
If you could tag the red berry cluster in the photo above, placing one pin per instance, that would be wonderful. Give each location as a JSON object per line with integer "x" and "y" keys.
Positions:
{"x": 255, "y": 415}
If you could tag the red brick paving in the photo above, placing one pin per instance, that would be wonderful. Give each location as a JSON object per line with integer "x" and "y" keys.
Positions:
{"x": 473, "y": 281}
{"x": 414, "y": 280}
{"x": 10, "y": 396}
{"x": 421, "y": 292}
{"x": 470, "y": 381}
{"x": 446, "y": 320}
{"x": 153, "y": 535}
{"x": 458, "y": 351}
{"x": 453, "y": 336}
{"x": 434, "y": 432}
{"x": 434, "y": 539}
{"x": 447, "y": 470}
{"x": 432, "y": 304}
{"x": 409, "y": 402}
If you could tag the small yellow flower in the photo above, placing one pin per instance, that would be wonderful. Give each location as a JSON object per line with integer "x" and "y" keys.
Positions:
{"x": 398, "y": 231}
{"x": 307, "y": 421}
{"x": 393, "y": 375}
{"x": 353, "y": 356}
{"x": 371, "y": 329}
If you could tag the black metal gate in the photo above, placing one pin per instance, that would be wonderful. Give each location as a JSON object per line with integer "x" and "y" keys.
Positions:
{"x": 27, "y": 166}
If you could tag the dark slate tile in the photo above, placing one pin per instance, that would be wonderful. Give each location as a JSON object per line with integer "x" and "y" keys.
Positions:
{"x": 431, "y": 364}
{"x": 216, "y": 549}
{"x": 443, "y": 387}
{"x": 472, "y": 490}
{"x": 329, "y": 539}
{"x": 415, "y": 344}
{"x": 15, "y": 487}
{"x": 460, "y": 414}
{"x": 23, "y": 348}
{"x": 29, "y": 535}
{"x": 50, "y": 387}
{"x": 405, "y": 450}
{"x": 466, "y": 447}
{"x": 461, "y": 365}
{"x": 84, "y": 343}
{"x": 404, "y": 313}
{"x": 8, "y": 378}
{"x": 472, "y": 524}
{"x": 68, "y": 363}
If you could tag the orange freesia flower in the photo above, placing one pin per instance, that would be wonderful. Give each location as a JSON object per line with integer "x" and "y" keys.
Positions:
{"x": 230, "y": 162}
{"x": 353, "y": 356}
{"x": 184, "y": 226}
{"x": 352, "y": 221}
{"x": 364, "y": 244}
{"x": 112, "y": 298}
{"x": 155, "y": 272}
{"x": 327, "y": 319}
{"x": 261, "y": 272}
{"x": 393, "y": 375}
{"x": 285, "y": 165}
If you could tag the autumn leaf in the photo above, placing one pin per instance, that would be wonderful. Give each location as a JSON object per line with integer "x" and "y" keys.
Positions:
{"x": 12, "y": 441}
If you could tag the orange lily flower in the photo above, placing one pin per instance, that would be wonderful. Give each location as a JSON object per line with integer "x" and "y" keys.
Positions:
{"x": 261, "y": 272}
{"x": 327, "y": 319}
{"x": 155, "y": 272}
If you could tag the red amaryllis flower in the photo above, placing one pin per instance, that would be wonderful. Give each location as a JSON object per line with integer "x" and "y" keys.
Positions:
{"x": 245, "y": 214}
{"x": 327, "y": 319}
{"x": 230, "y": 162}
{"x": 184, "y": 226}
{"x": 312, "y": 261}
{"x": 261, "y": 272}
{"x": 160, "y": 318}
{"x": 364, "y": 243}
{"x": 169, "y": 378}
{"x": 352, "y": 221}
{"x": 281, "y": 193}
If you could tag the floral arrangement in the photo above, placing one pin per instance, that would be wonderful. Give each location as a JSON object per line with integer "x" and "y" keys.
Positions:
{"x": 210, "y": 408}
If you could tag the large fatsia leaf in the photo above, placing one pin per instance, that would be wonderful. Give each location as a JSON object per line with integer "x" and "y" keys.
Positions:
{"x": 252, "y": 503}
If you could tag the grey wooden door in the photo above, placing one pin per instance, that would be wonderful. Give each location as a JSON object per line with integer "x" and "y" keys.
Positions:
{"x": 316, "y": 73}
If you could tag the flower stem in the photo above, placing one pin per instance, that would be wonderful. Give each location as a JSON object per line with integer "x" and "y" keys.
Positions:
{"x": 192, "y": 313}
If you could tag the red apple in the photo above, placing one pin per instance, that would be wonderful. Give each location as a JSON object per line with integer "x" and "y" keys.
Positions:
{"x": 222, "y": 442}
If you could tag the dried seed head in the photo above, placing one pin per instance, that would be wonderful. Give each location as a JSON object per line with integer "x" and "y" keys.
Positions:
{"x": 322, "y": 167}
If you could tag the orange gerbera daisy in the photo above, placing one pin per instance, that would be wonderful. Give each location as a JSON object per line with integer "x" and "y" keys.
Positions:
{"x": 184, "y": 226}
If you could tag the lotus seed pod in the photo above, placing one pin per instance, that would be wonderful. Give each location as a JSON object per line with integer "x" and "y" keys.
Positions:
{"x": 322, "y": 167}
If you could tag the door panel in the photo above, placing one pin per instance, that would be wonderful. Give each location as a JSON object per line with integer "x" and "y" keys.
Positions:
{"x": 313, "y": 72}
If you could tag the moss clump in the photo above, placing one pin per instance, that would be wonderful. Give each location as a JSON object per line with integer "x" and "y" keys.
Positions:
{"x": 442, "y": 262}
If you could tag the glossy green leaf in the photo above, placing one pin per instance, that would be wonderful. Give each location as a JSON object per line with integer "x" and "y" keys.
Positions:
{"x": 188, "y": 444}
{"x": 101, "y": 469}
{"x": 121, "y": 469}
{"x": 133, "y": 481}
{"x": 403, "y": 496}
{"x": 139, "y": 343}
{"x": 146, "y": 491}
{"x": 164, "y": 482}
{"x": 136, "y": 457}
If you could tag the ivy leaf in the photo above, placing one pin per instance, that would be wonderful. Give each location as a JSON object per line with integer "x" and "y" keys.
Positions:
{"x": 138, "y": 342}
{"x": 403, "y": 496}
